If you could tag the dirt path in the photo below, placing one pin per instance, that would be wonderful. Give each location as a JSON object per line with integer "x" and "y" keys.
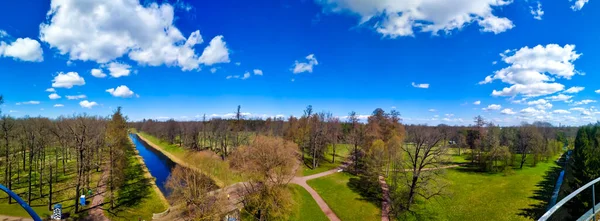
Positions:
{"x": 12, "y": 218}
{"x": 324, "y": 207}
{"x": 96, "y": 213}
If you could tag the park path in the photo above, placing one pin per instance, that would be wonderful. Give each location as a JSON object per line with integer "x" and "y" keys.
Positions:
{"x": 96, "y": 213}
{"x": 322, "y": 204}
{"x": 385, "y": 201}
{"x": 12, "y": 218}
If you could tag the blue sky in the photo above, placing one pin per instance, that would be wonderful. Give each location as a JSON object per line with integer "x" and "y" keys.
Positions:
{"x": 428, "y": 60}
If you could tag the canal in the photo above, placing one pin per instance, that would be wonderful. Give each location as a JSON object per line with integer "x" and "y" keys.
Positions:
{"x": 158, "y": 164}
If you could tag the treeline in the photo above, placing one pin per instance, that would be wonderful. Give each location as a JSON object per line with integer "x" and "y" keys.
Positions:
{"x": 583, "y": 167}
{"x": 46, "y": 152}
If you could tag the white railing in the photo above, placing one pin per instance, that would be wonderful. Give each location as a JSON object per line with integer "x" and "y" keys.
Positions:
{"x": 591, "y": 214}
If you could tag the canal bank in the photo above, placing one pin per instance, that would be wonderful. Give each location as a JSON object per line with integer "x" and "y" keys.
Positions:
{"x": 176, "y": 160}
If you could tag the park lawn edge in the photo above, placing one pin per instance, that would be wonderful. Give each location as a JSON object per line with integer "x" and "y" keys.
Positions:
{"x": 147, "y": 174}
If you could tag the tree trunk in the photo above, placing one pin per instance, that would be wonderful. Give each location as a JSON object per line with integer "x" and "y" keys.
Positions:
{"x": 411, "y": 193}
{"x": 50, "y": 191}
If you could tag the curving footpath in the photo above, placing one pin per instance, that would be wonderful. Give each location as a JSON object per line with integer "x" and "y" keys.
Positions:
{"x": 96, "y": 212}
{"x": 324, "y": 207}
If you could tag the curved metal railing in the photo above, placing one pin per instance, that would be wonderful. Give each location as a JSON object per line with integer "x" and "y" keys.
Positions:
{"x": 23, "y": 204}
{"x": 591, "y": 214}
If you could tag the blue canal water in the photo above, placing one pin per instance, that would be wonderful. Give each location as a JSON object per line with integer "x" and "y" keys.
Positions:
{"x": 559, "y": 182}
{"x": 158, "y": 164}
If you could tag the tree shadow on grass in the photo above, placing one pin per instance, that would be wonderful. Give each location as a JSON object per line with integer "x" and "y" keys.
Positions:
{"x": 543, "y": 194}
{"x": 368, "y": 189}
{"x": 136, "y": 188}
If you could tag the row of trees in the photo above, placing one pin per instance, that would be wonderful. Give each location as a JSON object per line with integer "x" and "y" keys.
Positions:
{"x": 44, "y": 152}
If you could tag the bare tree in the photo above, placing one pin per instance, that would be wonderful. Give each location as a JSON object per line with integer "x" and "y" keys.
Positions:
{"x": 422, "y": 165}
{"x": 194, "y": 191}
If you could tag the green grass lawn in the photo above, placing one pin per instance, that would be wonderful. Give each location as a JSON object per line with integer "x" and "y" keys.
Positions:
{"x": 341, "y": 151}
{"x": 63, "y": 190}
{"x": 484, "y": 196}
{"x": 136, "y": 198}
{"x": 305, "y": 206}
{"x": 345, "y": 203}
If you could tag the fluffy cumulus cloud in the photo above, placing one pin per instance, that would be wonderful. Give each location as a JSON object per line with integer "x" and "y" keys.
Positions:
{"x": 59, "y": 105}
{"x": 583, "y": 102}
{"x": 246, "y": 75}
{"x": 574, "y": 90}
{"x": 98, "y": 73}
{"x": 87, "y": 104}
{"x": 213, "y": 70}
{"x": 532, "y": 71}
{"x": 492, "y": 107}
{"x": 537, "y": 12}
{"x": 76, "y": 97}
{"x": 560, "y": 97}
{"x": 597, "y": 91}
{"x": 121, "y": 91}
{"x": 118, "y": 70}
{"x": 508, "y": 111}
{"x": 578, "y": 5}
{"x": 424, "y": 86}
{"x": 216, "y": 52}
{"x": 477, "y": 102}
{"x": 50, "y": 90}
{"x": 67, "y": 80}
{"x": 24, "y": 49}
{"x": 307, "y": 66}
{"x": 54, "y": 96}
{"x": 394, "y": 19}
{"x": 540, "y": 104}
{"x": 258, "y": 72}
{"x": 103, "y": 31}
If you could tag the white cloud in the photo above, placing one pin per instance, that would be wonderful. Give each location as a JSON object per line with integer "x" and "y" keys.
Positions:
{"x": 495, "y": 24}
{"x": 582, "y": 102}
{"x": 560, "y": 97}
{"x": 533, "y": 112}
{"x": 59, "y": 105}
{"x": 3, "y": 33}
{"x": 246, "y": 75}
{"x": 24, "y": 49}
{"x": 98, "y": 73}
{"x": 118, "y": 70}
{"x": 216, "y": 52}
{"x": 537, "y": 13}
{"x": 449, "y": 115}
{"x": 508, "y": 111}
{"x": 213, "y": 70}
{"x": 492, "y": 107}
{"x": 583, "y": 111}
{"x": 561, "y": 112}
{"x": 537, "y": 102}
{"x": 258, "y": 72}
{"x": 578, "y": 5}
{"x": 54, "y": 96}
{"x": 477, "y": 102}
{"x": 300, "y": 67}
{"x": 402, "y": 18}
{"x": 597, "y": 91}
{"x": 76, "y": 97}
{"x": 50, "y": 90}
{"x": 28, "y": 102}
{"x": 531, "y": 71}
{"x": 238, "y": 63}
{"x": 67, "y": 80}
{"x": 432, "y": 110}
{"x": 573, "y": 90}
{"x": 87, "y": 104}
{"x": 121, "y": 91}
{"x": 420, "y": 85}
{"x": 104, "y": 31}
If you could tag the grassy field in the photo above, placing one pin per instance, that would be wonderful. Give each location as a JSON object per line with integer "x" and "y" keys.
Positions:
{"x": 136, "y": 198}
{"x": 305, "y": 206}
{"x": 345, "y": 203}
{"x": 207, "y": 161}
{"x": 472, "y": 195}
{"x": 341, "y": 151}
{"x": 63, "y": 191}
